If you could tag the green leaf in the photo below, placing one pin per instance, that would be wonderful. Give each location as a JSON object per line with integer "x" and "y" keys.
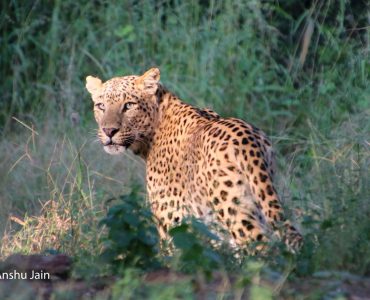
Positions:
{"x": 124, "y": 31}
{"x": 260, "y": 293}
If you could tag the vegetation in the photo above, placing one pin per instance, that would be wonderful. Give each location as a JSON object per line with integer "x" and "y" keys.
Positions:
{"x": 299, "y": 70}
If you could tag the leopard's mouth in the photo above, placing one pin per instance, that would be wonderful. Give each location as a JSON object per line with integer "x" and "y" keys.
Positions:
{"x": 114, "y": 149}
{"x": 117, "y": 148}
{"x": 125, "y": 144}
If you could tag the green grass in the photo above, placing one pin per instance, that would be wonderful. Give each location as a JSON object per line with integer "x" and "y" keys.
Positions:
{"x": 246, "y": 59}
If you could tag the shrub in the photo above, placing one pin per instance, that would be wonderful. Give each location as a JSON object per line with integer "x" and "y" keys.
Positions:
{"x": 132, "y": 238}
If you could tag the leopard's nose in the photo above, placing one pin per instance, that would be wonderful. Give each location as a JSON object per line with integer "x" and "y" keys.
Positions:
{"x": 110, "y": 132}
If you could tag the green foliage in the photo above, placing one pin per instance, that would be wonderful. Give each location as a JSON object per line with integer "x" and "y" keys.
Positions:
{"x": 132, "y": 238}
{"x": 131, "y": 286}
{"x": 243, "y": 53}
{"x": 196, "y": 246}
{"x": 340, "y": 221}
{"x": 261, "y": 293}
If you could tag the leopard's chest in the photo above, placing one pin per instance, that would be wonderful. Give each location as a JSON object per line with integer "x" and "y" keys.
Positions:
{"x": 172, "y": 168}
{"x": 165, "y": 164}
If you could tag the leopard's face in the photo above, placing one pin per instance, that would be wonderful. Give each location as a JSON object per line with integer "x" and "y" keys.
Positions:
{"x": 125, "y": 109}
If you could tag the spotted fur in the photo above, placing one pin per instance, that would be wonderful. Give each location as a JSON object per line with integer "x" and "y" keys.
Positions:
{"x": 198, "y": 163}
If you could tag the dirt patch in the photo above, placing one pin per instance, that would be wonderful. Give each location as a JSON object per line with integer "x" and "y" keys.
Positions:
{"x": 19, "y": 281}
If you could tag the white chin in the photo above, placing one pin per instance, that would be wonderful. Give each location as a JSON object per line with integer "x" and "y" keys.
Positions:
{"x": 114, "y": 149}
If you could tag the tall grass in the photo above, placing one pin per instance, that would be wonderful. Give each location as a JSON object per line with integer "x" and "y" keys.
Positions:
{"x": 299, "y": 72}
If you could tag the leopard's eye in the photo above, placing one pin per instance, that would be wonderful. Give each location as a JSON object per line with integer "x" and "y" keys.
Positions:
{"x": 128, "y": 105}
{"x": 101, "y": 106}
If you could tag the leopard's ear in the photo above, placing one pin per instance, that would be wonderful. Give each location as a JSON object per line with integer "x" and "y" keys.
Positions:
{"x": 93, "y": 85}
{"x": 148, "y": 82}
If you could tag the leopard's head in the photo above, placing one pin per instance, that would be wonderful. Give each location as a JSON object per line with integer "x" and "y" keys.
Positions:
{"x": 126, "y": 110}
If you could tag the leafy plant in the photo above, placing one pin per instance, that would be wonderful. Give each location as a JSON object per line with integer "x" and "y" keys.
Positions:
{"x": 195, "y": 245}
{"x": 132, "y": 238}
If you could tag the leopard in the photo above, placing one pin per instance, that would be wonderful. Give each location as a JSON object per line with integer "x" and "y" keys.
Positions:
{"x": 198, "y": 164}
